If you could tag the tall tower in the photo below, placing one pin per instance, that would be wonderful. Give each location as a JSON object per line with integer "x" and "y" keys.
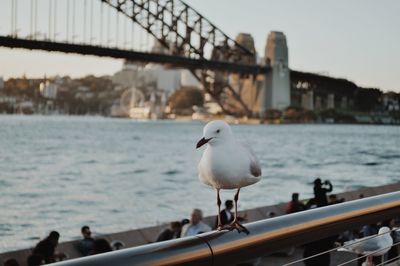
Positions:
{"x": 277, "y": 82}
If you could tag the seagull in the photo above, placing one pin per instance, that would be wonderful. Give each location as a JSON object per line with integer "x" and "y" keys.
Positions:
{"x": 226, "y": 164}
{"x": 372, "y": 246}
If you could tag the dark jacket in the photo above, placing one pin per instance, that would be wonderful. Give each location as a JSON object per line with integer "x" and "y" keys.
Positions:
{"x": 224, "y": 219}
{"x": 45, "y": 249}
{"x": 167, "y": 234}
{"x": 320, "y": 195}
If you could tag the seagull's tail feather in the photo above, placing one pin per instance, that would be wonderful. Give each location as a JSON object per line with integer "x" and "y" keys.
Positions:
{"x": 343, "y": 249}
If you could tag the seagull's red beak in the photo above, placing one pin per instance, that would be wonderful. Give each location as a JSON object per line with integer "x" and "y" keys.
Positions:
{"x": 202, "y": 142}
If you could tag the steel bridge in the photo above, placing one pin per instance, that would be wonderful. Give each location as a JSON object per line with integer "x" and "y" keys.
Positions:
{"x": 184, "y": 38}
{"x": 124, "y": 29}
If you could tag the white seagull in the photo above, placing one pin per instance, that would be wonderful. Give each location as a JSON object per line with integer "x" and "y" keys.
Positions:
{"x": 372, "y": 246}
{"x": 227, "y": 164}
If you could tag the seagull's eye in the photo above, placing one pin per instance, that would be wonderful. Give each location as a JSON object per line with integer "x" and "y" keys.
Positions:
{"x": 218, "y": 130}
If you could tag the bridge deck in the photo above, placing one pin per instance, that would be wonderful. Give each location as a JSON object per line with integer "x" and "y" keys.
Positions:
{"x": 172, "y": 60}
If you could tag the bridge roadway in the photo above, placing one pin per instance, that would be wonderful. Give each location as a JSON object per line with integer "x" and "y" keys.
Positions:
{"x": 172, "y": 60}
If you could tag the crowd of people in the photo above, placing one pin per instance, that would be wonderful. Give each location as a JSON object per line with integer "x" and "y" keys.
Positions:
{"x": 46, "y": 250}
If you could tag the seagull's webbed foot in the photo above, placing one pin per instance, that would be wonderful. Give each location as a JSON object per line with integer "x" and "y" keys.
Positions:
{"x": 224, "y": 227}
{"x": 239, "y": 227}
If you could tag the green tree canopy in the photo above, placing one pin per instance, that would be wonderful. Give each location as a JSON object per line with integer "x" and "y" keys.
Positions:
{"x": 182, "y": 100}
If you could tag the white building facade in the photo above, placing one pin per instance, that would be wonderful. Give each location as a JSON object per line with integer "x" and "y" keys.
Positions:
{"x": 48, "y": 89}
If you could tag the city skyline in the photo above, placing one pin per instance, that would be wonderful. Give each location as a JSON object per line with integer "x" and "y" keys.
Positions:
{"x": 353, "y": 40}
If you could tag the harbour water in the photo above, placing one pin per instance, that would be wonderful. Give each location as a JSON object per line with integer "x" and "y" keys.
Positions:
{"x": 59, "y": 173}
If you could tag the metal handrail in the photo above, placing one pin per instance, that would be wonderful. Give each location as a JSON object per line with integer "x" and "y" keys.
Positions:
{"x": 266, "y": 236}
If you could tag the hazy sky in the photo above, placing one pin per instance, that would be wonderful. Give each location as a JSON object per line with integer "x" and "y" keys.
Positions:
{"x": 354, "y": 39}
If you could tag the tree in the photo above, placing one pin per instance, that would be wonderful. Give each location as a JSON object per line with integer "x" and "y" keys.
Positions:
{"x": 367, "y": 99}
{"x": 182, "y": 100}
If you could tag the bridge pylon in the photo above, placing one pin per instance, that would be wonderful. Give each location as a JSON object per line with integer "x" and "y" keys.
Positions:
{"x": 276, "y": 95}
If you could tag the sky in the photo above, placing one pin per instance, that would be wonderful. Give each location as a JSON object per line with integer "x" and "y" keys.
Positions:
{"x": 354, "y": 39}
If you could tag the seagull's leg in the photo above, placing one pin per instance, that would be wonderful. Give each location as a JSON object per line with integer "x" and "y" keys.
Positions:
{"x": 219, "y": 228}
{"x": 236, "y": 198}
{"x": 235, "y": 224}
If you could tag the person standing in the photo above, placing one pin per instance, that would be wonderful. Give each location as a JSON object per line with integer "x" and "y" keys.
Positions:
{"x": 320, "y": 191}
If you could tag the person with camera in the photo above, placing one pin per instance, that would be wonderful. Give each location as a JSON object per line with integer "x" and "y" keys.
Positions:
{"x": 320, "y": 190}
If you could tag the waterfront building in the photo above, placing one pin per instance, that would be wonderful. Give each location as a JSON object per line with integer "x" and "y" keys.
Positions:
{"x": 318, "y": 103}
{"x": 307, "y": 100}
{"x": 160, "y": 78}
{"x": 331, "y": 101}
{"x": 343, "y": 103}
{"x": 48, "y": 89}
{"x": 391, "y": 101}
{"x": 154, "y": 83}
{"x": 127, "y": 76}
{"x": 84, "y": 93}
{"x": 188, "y": 80}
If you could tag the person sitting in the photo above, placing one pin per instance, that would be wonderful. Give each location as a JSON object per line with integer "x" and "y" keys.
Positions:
{"x": 173, "y": 231}
{"x": 47, "y": 248}
{"x": 333, "y": 199}
{"x": 195, "y": 226}
{"x": 11, "y": 262}
{"x": 101, "y": 245}
{"x": 295, "y": 205}
{"x": 226, "y": 214}
{"x": 34, "y": 260}
{"x": 85, "y": 245}
{"x": 117, "y": 245}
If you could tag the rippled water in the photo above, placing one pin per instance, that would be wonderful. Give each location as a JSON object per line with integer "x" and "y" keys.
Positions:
{"x": 59, "y": 173}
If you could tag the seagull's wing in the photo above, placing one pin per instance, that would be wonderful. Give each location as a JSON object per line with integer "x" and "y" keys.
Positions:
{"x": 370, "y": 245}
{"x": 362, "y": 245}
{"x": 203, "y": 174}
{"x": 255, "y": 166}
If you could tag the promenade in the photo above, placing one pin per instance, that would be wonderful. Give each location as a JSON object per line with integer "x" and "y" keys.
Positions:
{"x": 147, "y": 235}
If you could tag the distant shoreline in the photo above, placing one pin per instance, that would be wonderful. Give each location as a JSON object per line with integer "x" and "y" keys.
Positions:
{"x": 230, "y": 120}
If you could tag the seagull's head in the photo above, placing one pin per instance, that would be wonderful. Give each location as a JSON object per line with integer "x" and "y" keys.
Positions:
{"x": 214, "y": 132}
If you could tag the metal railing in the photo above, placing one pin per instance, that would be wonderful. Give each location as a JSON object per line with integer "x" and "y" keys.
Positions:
{"x": 266, "y": 236}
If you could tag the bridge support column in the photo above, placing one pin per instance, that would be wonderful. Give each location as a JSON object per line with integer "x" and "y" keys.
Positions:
{"x": 265, "y": 95}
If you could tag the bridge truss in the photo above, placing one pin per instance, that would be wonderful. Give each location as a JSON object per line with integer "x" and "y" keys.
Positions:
{"x": 185, "y": 32}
